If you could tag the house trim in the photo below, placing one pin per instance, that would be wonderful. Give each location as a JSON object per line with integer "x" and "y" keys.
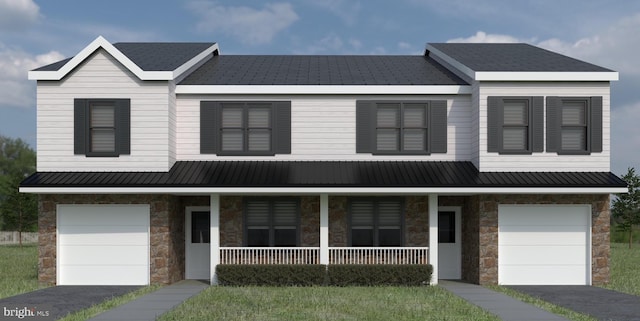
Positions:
{"x": 101, "y": 42}
{"x": 324, "y": 89}
{"x": 323, "y": 190}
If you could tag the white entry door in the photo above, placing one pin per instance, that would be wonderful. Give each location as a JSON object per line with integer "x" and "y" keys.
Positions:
{"x": 449, "y": 243}
{"x": 197, "y": 243}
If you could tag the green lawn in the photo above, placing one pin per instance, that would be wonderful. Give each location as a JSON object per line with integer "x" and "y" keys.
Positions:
{"x": 625, "y": 268}
{"x": 326, "y": 303}
{"x": 18, "y": 269}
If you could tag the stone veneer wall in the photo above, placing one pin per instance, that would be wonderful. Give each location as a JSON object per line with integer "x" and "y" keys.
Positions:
{"x": 166, "y": 239}
{"x": 488, "y": 231}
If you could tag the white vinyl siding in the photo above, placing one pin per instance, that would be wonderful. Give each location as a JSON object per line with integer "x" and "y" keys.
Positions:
{"x": 101, "y": 76}
{"x": 322, "y": 127}
{"x": 103, "y": 244}
{"x": 545, "y": 161}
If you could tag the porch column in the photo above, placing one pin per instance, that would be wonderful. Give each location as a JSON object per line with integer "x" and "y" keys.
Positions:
{"x": 324, "y": 229}
{"x": 433, "y": 236}
{"x": 215, "y": 236}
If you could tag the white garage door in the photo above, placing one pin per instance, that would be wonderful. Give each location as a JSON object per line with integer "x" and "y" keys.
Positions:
{"x": 103, "y": 244}
{"x": 540, "y": 244}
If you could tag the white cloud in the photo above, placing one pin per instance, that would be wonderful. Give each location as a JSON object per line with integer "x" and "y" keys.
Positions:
{"x": 249, "y": 25}
{"x": 16, "y": 15}
{"x": 15, "y": 89}
{"x": 347, "y": 10}
{"x": 483, "y": 37}
{"x": 332, "y": 45}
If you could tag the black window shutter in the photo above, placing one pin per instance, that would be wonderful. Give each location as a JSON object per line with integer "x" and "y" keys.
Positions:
{"x": 494, "y": 124}
{"x": 596, "y": 124}
{"x": 438, "y": 124}
{"x": 208, "y": 127}
{"x": 79, "y": 126}
{"x": 537, "y": 124}
{"x": 123, "y": 123}
{"x": 282, "y": 128}
{"x": 365, "y": 126}
{"x": 553, "y": 123}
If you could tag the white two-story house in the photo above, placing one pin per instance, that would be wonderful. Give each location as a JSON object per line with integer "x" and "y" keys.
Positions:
{"x": 159, "y": 161}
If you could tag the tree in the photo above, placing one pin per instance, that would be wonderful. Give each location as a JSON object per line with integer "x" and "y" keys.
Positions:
{"x": 626, "y": 208}
{"x": 18, "y": 212}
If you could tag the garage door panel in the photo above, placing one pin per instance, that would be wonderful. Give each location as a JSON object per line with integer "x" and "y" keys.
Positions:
{"x": 103, "y": 244}
{"x": 572, "y": 237}
{"x": 561, "y": 255}
{"x": 96, "y": 215}
{"x": 562, "y": 215}
{"x": 542, "y": 275}
{"x": 104, "y": 255}
{"x": 544, "y": 244}
{"x": 132, "y": 237}
{"x": 107, "y": 275}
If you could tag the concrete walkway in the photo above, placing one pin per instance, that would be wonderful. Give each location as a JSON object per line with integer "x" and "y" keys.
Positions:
{"x": 503, "y": 306}
{"x": 151, "y": 306}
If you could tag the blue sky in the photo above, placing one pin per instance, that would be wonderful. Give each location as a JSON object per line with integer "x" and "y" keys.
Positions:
{"x": 605, "y": 32}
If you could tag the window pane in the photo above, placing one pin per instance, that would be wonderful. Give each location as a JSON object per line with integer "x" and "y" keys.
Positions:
{"x": 389, "y": 214}
{"x": 232, "y": 117}
{"x": 362, "y": 237}
{"x": 573, "y": 113}
{"x": 259, "y": 117}
{"x": 414, "y": 139}
{"x": 103, "y": 140}
{"x": 102, "y": 115}
{"x": 414, "y": 115}
{"x": 362, "y": 214}
{"x": 574, "y": 139}
{"x": 514, "y": 138}
{"x": 515, "y": 113}
{"x": 446, "y": 227}
{"x": 284, "y": 237}
{"x": 232, "y": 140}
{"x": 200, "y": 227}
{"x": 389, "y": 237}
{"x": 257, "y": 237}
{"x": 285, "y": 213}
{"x": 257, "y": 213}
{"x": 387, "y": 139}
{"x": 259, "y": 140}
{"x": 388, "y": 116}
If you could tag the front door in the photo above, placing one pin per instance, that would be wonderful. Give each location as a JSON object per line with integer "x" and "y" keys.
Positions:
{"x": 449, "y": 247}
{"x": 197, "y": 247}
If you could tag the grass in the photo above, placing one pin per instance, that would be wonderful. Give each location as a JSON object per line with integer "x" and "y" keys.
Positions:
{"x": 326, "y": 303}
{"x": 19, "y": 269}
{"x": 109, "y": 304}
{"x": 625, "y": 268}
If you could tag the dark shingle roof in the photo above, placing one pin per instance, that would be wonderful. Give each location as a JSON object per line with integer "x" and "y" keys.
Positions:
{"x": 512, "y": 57}
{"x": 161, "y": 56}
{"x": 151, "y": 56}
{"x": 322, "y": 70}
{"x": 323, "y": 174}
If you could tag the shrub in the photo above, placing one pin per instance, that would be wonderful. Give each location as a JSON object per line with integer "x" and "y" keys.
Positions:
{"x": 271, "y": 274}
{"x": 374, "y": 275}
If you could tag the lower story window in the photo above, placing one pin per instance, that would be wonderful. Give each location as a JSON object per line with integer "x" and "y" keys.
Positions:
{"x": 271, "y": 222}
{"x": 376, "y": 222}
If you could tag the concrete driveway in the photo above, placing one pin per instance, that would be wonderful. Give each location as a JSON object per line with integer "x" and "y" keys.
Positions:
{"x": 600, "y": 303}
{"x": 62, "y": 300}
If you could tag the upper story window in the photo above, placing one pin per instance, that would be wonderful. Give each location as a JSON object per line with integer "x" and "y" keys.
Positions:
{"x": 515, "y": 124}
{"x": 376, "y": 222}
{"x": 245, "y": 128}
{"x": 574, "y": 125}
{"x": 102, "y": 127}
{"x": 401, "y": 127}
{"x": 271, "y": 222}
